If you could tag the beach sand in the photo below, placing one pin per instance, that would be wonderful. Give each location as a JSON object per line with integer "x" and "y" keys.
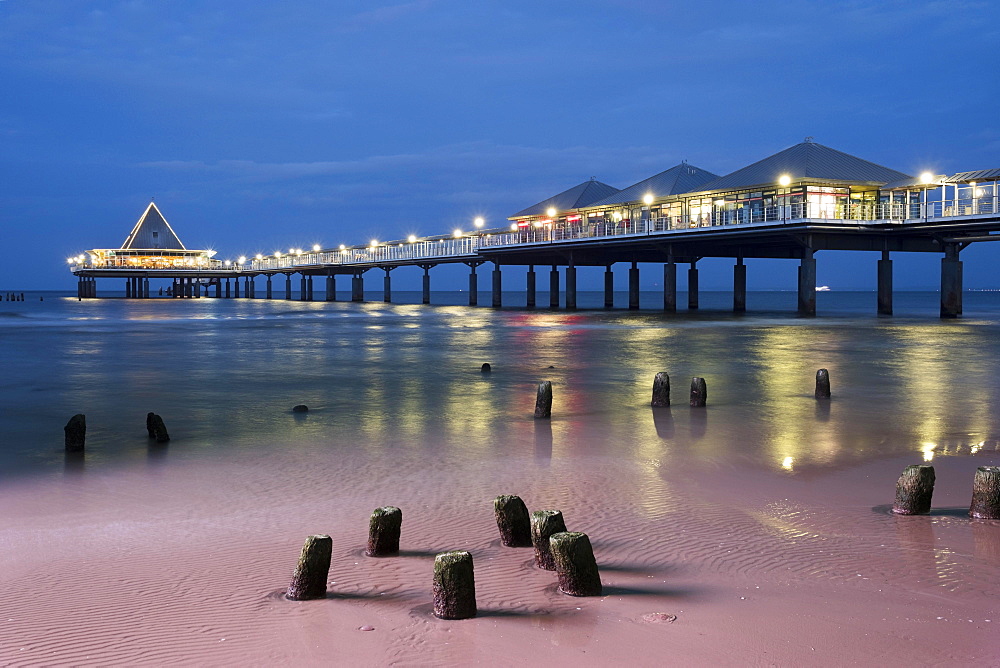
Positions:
{"x": 185, "y": 561}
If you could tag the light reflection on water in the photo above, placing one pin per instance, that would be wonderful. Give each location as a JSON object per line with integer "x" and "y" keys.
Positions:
{"x": 224, "y": 374}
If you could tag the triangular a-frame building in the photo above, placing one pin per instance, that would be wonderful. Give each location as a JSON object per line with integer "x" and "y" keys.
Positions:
{"x": 152, "y": 232}
{"x": 576, "y": 197}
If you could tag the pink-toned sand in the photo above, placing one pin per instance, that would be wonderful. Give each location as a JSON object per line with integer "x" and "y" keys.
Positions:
{"x": 186, "y": 562}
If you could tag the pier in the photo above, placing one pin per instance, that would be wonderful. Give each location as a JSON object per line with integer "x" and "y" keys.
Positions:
{"x": 792, "y": 205}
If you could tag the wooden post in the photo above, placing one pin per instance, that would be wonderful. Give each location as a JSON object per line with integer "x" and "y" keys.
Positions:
{"x": 485, "y": 368}
{"x": 383, "y": 531}
{"x": 156, "y": 428}
{"x": 309, "y": 578}
{"x": 699, "y": 392}
{"x": 543, "y": 400}
{"x": 576, "y": 566}
{"x": 913, "y": 490}
{"x": 661, "y": 389}
{"x": 544, "y": 523}
{"x": 454, "y": 586}
{"x": 512, "y": 520}
{"x": 986, "y": 494}
{"x": 822, "y": 384}
{"x": 76, "y": 433}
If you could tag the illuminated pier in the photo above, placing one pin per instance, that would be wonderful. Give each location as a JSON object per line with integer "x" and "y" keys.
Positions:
{"x": 791, "y": 205}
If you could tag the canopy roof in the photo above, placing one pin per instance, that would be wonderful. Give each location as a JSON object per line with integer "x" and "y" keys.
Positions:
{"x": 679, "y": 179}
{"x": 806, "y": 161}
{"x": 578, "y": 196}
{"x": 152, "y": 232}
{"x": 975, "y": 177}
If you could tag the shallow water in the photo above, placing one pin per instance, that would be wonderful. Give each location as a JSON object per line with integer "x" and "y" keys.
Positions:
{"x": 766, "y": 499}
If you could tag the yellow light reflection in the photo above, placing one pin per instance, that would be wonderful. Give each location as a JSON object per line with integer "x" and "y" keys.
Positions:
{"x": 786, "y": 463}
{"x": 928, "y": 450}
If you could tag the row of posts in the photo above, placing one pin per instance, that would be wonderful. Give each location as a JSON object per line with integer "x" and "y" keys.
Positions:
{"x": 951, "y": 285}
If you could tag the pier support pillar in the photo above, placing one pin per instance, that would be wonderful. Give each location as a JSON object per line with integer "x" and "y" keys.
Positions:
{"x": 473, "y": 284}
{"x": 128, "y": 288}
{"x": 739, "y": 286}
{"x": 554, "y": 287}
{"x": 195, "y": 288}
{"x": 387, "y": 286}
{"x": 633, "y": 286}
{"x": 228, "y": 291}
{"x": 236, "y": 288}
{"x": 358, "y": 287}
{"x": 145, "y": 288}
{"x": 609, "y": 287}
{"x": 331, "y": 288}
{"x": 693, "y": 286}
{"x": 571, "y": 287}
{"x": 951, "y": 282}
{"x": 303, "y": 290}
{"x": 268, "y": 291}
{"x": 218, "y": 288}
{"x": 885, "y": 284}
{"x": 807, "y": 283}
{"x": 309, "y": 288}
{"x": 288, "y": 286}
{"x": 426, "y": 297}
{"x": 530, "y": 281}
{"x": 497, "y": 286}
{"x": 670, "y": 287}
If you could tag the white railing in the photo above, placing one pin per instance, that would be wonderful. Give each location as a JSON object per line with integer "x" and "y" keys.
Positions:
{"x": 397, "y": 252}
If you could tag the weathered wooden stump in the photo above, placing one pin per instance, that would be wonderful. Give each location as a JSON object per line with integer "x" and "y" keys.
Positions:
{"x": 486, "y": 368}
{"x": 512, "y": 520}
{"x": 699, "y": 392}
{"x": 543, "y": 401}
{"x": 661, "y": 390}
{"x": 454, "y": 586}
{"x": 76, "y": 433}
{"x": 986, "y": 493}
{"x": 383, "y": 531}
{"x": 156, "y": 429}
{"x": 913, "y": 490}
{"x": 822, "y": 384}
{"x": 544, "y": 523}
{"x": 301, "y": 408}
{"x": 576, "y": 567}
{"x": 309, "y": 578}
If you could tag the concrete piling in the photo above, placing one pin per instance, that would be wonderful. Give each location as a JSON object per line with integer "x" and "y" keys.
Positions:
{"x": 986, "y": 494}
{"x": 544, "y": 523}
{"x": 76, "y": 433}
{"x": 309, "y": 578}
{"x": 822, "y": 384}
{"x": 543, "y": 400}
{"x": 914, "y": 490}
{"x": 156, "y": 429}
{"x": 383, "y": 531}
{"x": 512, "y": 520}
{"x": 454, "y": 586}
{"x": 699, "y": 392}
{"x": 575, "y": 564}
{"x": 661, "y": 389}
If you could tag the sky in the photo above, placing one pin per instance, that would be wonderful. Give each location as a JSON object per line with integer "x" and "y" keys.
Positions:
{"x": 264, "y": 126}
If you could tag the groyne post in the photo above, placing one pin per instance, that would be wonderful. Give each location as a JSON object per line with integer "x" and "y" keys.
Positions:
{"x": 661, "y": 389}
{"x": 543, "y": 400}
{"x": 699, "y": 392}
{"x": 513, "y": 520}
{"x": 76, "y": 433}
{"x": 575, "y": 565}
{"x": 156, "y": 429}
{"x": 454, "y": 586}
{"x": 986, "y": 494}
{"x": 914, "y": 490}
{"x": 544, "y": 523}
{"x": 309, "y": 578}
{"x": 822, "y": 384}
{"x": 383, "y": 531}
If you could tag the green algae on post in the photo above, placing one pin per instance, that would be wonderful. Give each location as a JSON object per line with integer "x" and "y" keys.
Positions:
{"x": 914, "y": 490}
{"x": 309, "y": 578}
{"x": 575, "y": 564}
{"x": 454, "y": 586}
{"x": 513, "y": 520}
{"x": 544, "y": 523}
{"x": 383, "y": 531}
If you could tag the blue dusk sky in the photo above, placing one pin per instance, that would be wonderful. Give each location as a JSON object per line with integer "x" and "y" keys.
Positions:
{"x": 264, "y": 126}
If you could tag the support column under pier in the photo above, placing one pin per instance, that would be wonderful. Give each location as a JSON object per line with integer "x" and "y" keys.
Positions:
{"x": 609, "y": 287}
{"x": 331, "y": 288}
{"x": 633, "y": 286}
{"x": 303, "y": 290}
{"x": 236, "y": 288}
{"x": 218, "y": 288}
{"x": 739, "y": 286}
{"x": 387, "y": 286}
{"x": 497, "y": 286}
{"x": 473, "y": 284}
{"x": 228, "y": 293}
{"x": 670, "y": 287}
{"x": 128, "y": 288}
{"x": 358, "y": 287}
{"x": 571, "y": 287}
{"x": 309, "y": 288}
{"x": 288, "y": 287}
{"x": 530, "y": 285}
{"x": 693, "y": 286}
{"x": 554, "y": 287}
{"x": 951, "y": 282}
{"x": 269, "y": 293}
{"x": 885, "y": 284}
{"x": 807, "y": 283}
{"x": 195, "y": 288}
{"x": 425, "y": 298}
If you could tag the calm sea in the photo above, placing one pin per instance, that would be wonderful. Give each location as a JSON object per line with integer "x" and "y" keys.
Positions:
{"x": 224, "y": 374}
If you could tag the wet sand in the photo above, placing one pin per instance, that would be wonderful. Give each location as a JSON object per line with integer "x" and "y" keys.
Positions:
{"x": 183, "y": 559}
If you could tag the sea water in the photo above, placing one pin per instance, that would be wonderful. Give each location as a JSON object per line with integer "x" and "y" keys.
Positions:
{"x": 225, "y": 373}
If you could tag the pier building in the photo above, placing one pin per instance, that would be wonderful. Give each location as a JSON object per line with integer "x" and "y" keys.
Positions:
{"x": 791, "y": 205}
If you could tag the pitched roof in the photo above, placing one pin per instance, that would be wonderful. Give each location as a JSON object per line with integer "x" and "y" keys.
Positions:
{"x": 584, "y": 194}
{"x": 152, "y": 231}
{"x": 807, "y": 160}
{"x": 978, "y": 175}
{"x": 679, "y": 179}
